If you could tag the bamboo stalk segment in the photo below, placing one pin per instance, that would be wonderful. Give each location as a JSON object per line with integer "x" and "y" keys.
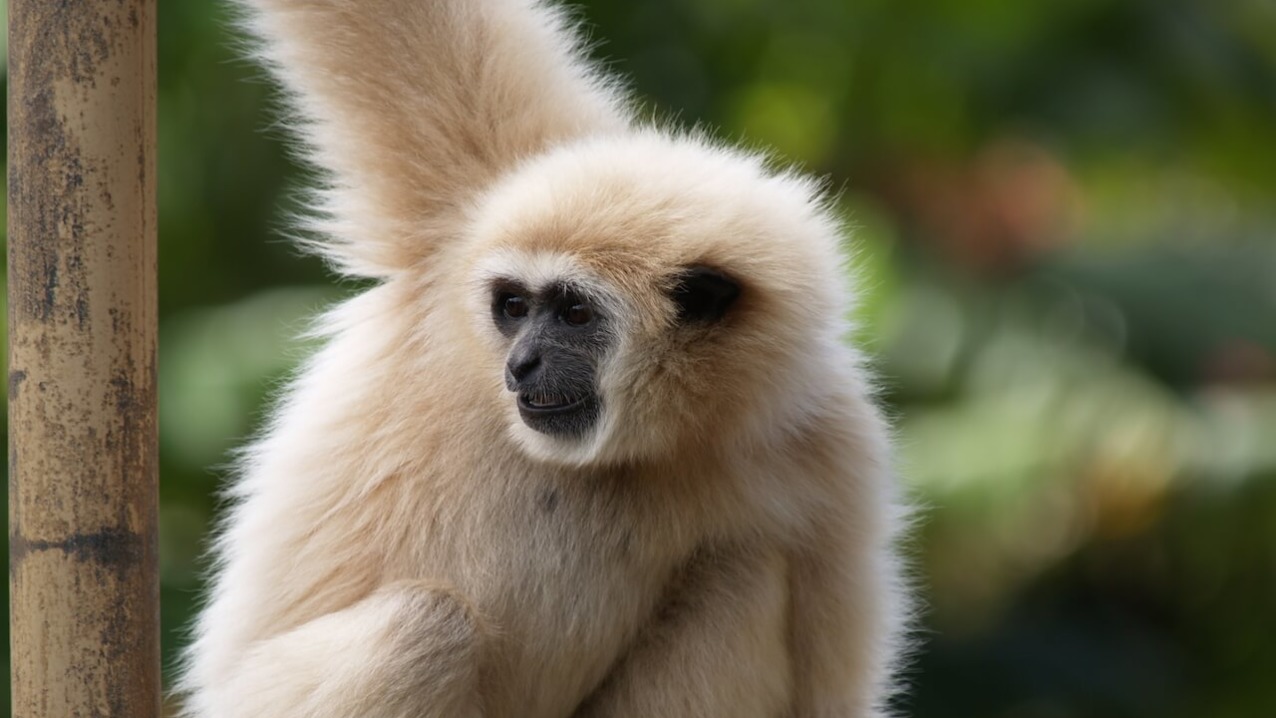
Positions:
{"x": 84, "y": 592}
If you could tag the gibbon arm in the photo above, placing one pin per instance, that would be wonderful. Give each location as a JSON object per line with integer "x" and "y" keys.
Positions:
{"x": 719, "y": 647}
{"x": 846, "y": 606}
{"x": 413, "y": 106}
{"x": 407, "y": 651}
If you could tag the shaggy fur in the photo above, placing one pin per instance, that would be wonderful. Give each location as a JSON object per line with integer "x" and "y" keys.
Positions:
{"x": 402, "y": 546}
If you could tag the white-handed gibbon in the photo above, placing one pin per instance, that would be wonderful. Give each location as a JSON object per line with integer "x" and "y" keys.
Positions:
{"x": 593, "y": 445}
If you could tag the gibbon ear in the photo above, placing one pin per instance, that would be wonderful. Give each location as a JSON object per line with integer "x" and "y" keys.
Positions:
{"x": 703, "y": 295}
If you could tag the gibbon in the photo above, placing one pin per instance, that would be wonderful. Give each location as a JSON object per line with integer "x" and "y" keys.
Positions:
{"x": 592, "y": 445}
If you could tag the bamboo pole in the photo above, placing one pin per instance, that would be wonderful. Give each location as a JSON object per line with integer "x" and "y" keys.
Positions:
{"x": 84, "y": 594}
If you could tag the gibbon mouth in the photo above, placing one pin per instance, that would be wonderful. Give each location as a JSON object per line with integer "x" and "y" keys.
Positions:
{"x": 544, "y": 404}
{"x": 561, "y": 415}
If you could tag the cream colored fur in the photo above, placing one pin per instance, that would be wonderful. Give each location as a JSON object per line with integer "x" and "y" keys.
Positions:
{"x": 401, "y": 546}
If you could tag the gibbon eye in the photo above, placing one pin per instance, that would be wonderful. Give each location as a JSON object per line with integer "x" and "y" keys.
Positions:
{"x": 578, "y": 315}
{"x": 514, "y": 306}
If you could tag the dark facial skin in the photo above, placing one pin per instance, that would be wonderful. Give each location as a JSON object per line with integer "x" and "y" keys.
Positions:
{"x": 559, "y": 339}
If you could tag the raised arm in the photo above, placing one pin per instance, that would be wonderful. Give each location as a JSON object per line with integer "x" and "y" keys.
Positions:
{"x": 412, "y": 106}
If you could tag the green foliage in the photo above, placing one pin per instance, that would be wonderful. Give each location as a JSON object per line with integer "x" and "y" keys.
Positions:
{"x": 1064, "y": 228}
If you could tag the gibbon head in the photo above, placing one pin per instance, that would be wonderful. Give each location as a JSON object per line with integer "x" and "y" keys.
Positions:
{"x": 653, "y": 296}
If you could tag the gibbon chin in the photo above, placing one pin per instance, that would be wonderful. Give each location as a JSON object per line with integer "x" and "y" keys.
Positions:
{"x": 593, "y": 445}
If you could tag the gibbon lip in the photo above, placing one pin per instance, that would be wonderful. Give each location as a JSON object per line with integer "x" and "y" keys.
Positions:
{"x": 549, "y": 403}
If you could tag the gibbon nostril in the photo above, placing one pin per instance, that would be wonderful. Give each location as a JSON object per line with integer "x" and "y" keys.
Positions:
{"x": 522, "y": 364}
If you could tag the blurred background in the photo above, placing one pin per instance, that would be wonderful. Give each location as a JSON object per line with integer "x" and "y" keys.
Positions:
{"x": 1065, "y": 216}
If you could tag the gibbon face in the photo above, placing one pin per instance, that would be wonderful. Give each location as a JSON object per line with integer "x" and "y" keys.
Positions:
{"x": 559, "y": 336}
{"x": 649, "y": 297}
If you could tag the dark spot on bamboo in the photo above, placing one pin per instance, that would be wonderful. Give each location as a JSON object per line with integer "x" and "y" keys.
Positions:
{"x": 48, "y": 268}
{"x": 116, "y": 549}
{"x": 16, "y": 377}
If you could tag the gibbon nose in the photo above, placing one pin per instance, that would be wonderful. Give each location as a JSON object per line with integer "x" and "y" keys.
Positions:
{"x": 520, "y": 366}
